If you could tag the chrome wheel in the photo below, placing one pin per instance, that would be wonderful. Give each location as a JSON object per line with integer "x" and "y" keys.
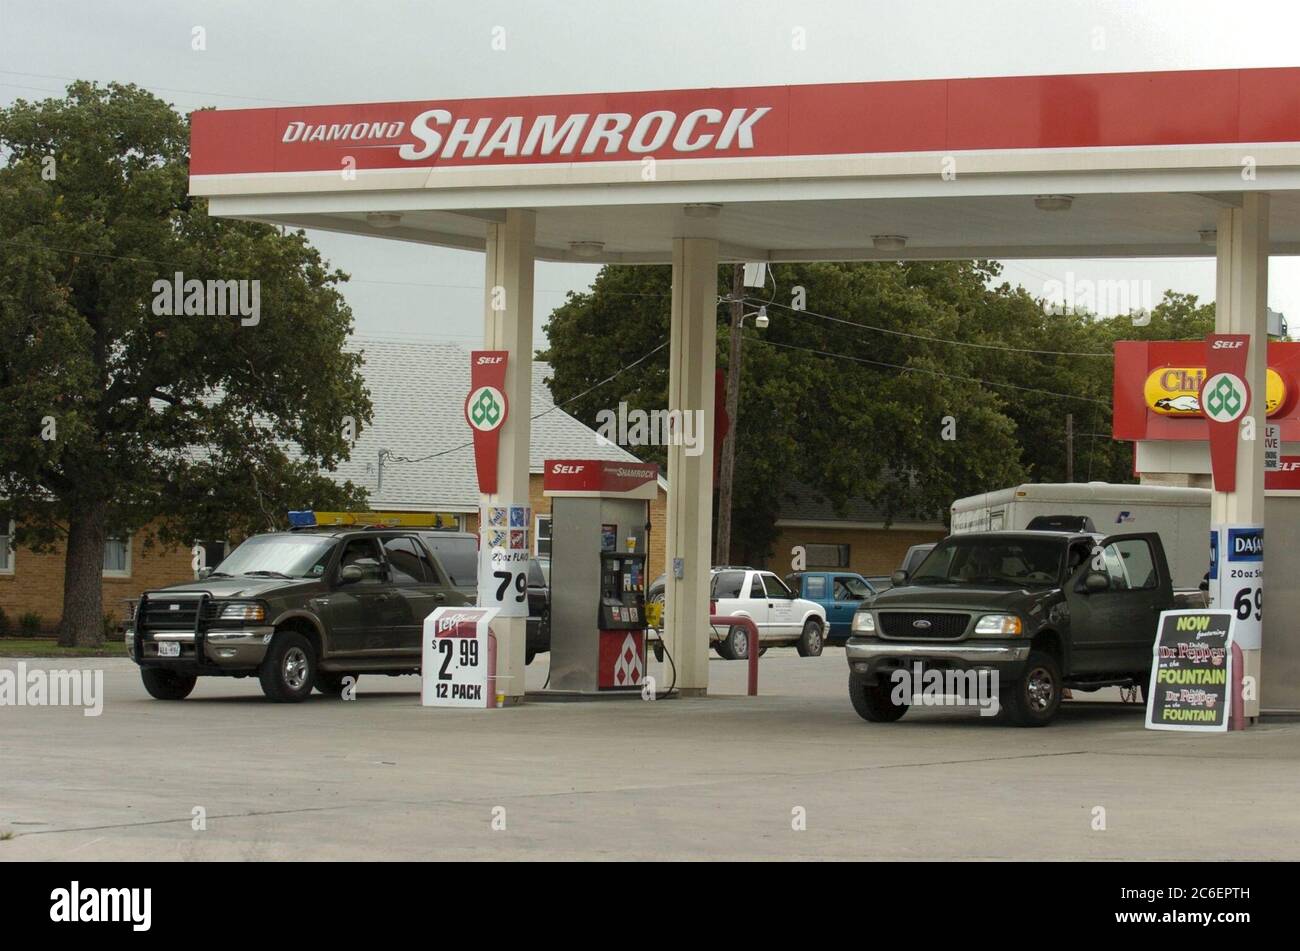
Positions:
{"x": 1040, "y": 689}
{"x": 295, "y": 668}
{"x": 739, "y": 638}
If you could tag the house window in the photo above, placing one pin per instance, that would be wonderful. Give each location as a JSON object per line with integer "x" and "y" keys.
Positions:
{"x": 827, "y": 556}
{"x": 542, "y": 537}
{"x": 6, "y": 548}
{"x": 117, "y": 556}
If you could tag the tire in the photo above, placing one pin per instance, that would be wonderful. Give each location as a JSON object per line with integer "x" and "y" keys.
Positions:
{"x": 737, "y": 643}
{"x": 1034, "y": 698}
{"x": 331, "y": 684}
{"x": 811, "y": 641}
{"x": 165, "y": 684}
{"x": 289, "y": 668}
{"x": 872, "y": 701}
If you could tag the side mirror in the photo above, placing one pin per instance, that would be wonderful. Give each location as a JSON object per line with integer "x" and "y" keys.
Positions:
{"x": 898, "y": 578}
{"x": 1096, "y": 582}
{"x": 204, "y": 573}
{"x": 351, "y": 574}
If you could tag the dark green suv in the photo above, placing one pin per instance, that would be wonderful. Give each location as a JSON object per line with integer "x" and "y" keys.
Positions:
{"x": 298, "y": 610}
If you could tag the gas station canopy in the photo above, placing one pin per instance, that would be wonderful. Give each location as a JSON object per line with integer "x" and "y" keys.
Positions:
{"x": 1139, "y": 164}
{"x": 1114, "y": 164}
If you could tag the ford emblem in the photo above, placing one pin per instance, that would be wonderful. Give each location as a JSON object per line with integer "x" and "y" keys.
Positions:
{"x": 921, "y": 625}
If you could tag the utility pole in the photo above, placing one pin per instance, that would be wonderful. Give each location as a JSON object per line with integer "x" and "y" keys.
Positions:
{"x": 727, "y": 464}
{"x": 1069, "y": 447}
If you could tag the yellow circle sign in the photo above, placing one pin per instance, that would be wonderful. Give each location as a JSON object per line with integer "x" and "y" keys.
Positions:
{"x": 1175, "y": 391}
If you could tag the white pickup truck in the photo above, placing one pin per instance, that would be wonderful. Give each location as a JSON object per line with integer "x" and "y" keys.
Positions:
{"x": 782, "y": 618}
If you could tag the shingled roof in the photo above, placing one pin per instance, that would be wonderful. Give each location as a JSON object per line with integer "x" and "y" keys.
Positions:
{"x": 418, "y": 390}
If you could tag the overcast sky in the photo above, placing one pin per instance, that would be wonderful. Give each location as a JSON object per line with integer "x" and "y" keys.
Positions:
{"x": 275, "y": 52}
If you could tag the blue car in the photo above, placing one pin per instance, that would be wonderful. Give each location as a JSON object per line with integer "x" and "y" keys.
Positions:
{"x": 839, "y": 592}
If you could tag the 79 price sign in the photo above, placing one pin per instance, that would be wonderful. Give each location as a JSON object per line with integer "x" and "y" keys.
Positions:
{"x": 454, "y": 669}
{"x": 507, "y": 582}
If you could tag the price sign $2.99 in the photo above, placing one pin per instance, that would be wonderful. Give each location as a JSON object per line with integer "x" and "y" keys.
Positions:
{"x": 455, "y": 658}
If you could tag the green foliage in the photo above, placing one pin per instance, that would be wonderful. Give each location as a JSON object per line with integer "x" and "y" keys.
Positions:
{"x": 29, "y": 623}
{"x": 859, "y": 413}
{"x": 215, "y": 427}
{"x": 4, "y": 623}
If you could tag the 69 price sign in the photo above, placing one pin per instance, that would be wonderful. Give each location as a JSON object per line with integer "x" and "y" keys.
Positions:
{"x": 454, "y": 668}
{"x": 1237, "y": 579}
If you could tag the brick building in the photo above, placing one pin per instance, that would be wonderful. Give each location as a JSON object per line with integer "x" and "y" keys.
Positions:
{"x": 32, "y": 582}
{"x": 861, "y": 538}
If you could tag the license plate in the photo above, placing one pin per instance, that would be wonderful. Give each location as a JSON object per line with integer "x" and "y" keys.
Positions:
{"x": 169, "y": 649}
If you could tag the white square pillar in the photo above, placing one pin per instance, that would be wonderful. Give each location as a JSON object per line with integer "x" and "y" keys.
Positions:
{"x": 1241, "y": 297}
{"x": 692, "y": 362}
{"x": 508, "y": 325}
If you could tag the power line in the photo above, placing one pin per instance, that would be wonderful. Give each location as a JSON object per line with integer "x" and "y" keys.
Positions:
{"x": 950, "y": 376}
{"x": 955, "y": 343}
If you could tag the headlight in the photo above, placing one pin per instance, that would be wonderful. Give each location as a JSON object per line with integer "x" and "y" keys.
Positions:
{"x": 243, "y": 611}
{"x": 1008, "y": 624}
{"x": 864, "y": 623}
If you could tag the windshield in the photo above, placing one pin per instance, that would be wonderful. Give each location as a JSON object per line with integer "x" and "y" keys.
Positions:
{"x": 1015, "y": 562}
{"x": 292, "y": 556}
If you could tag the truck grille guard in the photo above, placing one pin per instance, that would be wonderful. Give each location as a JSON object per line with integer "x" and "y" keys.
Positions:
{"x": 144, "y": 631}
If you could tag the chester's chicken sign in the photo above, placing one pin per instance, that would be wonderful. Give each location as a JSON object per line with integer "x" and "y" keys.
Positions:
{"x": 1185, "y": 390}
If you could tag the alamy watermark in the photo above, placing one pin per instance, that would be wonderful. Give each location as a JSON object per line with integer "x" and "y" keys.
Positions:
{"x": 194, "y": 298}
{"x": 1105, "y": 298}
{"x": 945, "y": 688}
{"x": 99, "y": 905}
{"x": 21, "y": 687}
{"x": 660, "y": 427}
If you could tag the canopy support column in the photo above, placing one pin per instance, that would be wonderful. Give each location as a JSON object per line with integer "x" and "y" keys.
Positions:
{"x": 1241, "y": 296}
{"x": 692, "y": 362}
{"x": 508, "y": 325}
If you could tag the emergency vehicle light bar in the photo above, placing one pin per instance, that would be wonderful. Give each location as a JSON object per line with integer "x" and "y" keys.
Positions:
{"x": 436, "y": 520}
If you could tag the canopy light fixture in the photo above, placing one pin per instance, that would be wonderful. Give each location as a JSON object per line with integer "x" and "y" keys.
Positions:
{"x": 384, "y": 219}
{"x": 1053, "y": 202}
{"x": 889, "y": 242}
{"x": 587, "y": 249}
{"x": 703, "y": 209}
{"x": 1209, "y": 236}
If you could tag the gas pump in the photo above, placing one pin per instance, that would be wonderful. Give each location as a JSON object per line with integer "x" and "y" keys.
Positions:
{"x": 600, "y": 520}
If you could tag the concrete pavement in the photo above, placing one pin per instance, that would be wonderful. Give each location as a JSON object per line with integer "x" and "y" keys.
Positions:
{"x": 724, "y": 776}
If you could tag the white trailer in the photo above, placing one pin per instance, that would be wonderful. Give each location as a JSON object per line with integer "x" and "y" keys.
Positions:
{"x": 1180, "y": 516}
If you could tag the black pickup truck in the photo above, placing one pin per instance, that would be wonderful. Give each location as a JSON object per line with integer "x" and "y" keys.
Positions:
{"x": 297, "y": 610}
{"x": 1039, "y": 611}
